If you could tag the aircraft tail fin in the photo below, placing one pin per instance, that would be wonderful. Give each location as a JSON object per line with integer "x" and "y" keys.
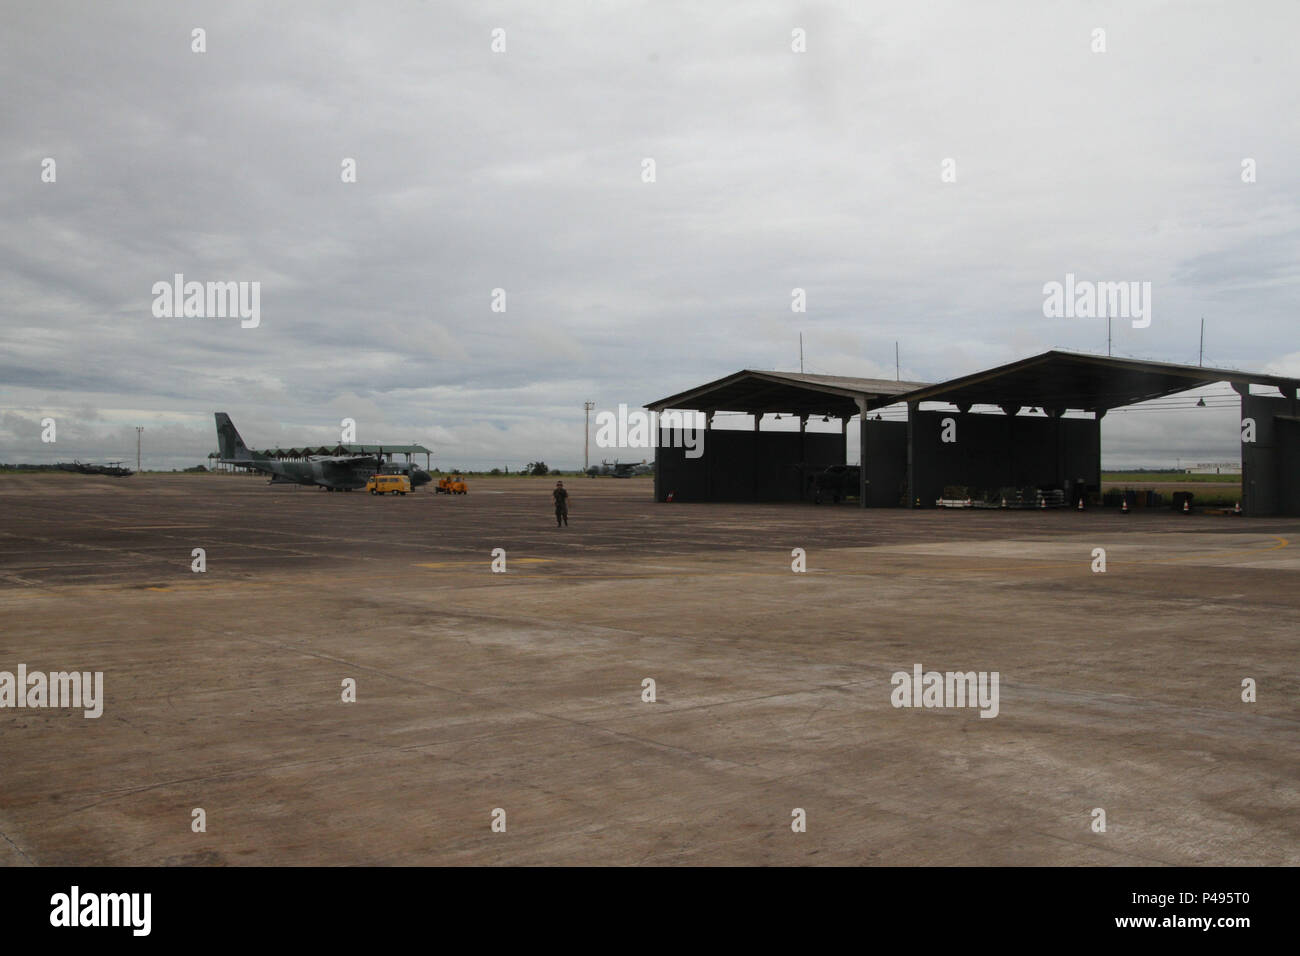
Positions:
{"x": 231, "y": 445}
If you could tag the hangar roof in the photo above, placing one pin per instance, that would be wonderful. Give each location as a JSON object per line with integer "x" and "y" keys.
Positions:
{"x": 795, "y": 393}
{"x": 1071, "y": 380}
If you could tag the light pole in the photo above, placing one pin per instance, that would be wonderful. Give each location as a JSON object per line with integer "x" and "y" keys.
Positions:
{"x": 138, "y": 430}
{"x": 586, "y": 435}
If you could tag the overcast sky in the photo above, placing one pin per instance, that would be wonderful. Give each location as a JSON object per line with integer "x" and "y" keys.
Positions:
{"x": 523, "y": 170}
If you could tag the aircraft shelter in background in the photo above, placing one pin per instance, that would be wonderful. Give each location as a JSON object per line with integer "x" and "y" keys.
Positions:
{"x": 1031, "y": 423}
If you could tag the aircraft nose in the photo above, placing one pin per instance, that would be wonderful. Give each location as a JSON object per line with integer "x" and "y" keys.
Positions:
{"x": 422, "y": 477}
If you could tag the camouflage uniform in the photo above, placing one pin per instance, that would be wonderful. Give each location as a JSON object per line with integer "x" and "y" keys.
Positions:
{"x": 561, "y": 505}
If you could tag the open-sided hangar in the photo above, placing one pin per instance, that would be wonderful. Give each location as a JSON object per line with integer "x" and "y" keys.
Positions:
{"x": 987, "y": 436}
{"x": 759, "y": 465}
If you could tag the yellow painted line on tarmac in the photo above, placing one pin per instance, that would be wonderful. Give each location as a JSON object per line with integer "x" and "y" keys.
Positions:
{"x": 213, "y": 586}
{"x": 160, "y": 527}
{"x": 471, "y": 565}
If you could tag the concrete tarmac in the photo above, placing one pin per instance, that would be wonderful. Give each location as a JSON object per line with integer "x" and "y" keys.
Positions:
{"x": 523, "y": 691}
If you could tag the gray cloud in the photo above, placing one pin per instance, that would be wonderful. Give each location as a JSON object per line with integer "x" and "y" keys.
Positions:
{"x": 522, "y": 171}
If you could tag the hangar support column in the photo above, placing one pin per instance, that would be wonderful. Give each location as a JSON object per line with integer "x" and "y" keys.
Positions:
{"x": 1098, "y": 414}
{"x": 862, "y": 449}
{"x": 912, "y": 409}
{"x": 1270, "y": 451}
{"x": 1256, "y": 456}
{"x": 659, "y": 469}
{"x": 708, "y": 457}
{"x": 1059, "y": 439}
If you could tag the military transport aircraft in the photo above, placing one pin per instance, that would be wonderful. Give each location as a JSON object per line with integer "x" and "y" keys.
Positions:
{"x": 333, "y": 473}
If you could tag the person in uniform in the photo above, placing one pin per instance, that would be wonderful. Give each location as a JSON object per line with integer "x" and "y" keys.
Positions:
{"x": 561, "y": 504}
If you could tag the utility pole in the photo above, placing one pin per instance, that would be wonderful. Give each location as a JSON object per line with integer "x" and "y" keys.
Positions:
{"x": 138, "y": 430}
{"x": 1201, "y": 360}
{"x": 1108, "y": 335}
{"x": 586, "y": 436}
{"x": 896, "y": 378}
{"x": 800, "y": 353}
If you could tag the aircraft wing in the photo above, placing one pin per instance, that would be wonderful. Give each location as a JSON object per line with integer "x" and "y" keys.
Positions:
{"x": 341, "y": 465}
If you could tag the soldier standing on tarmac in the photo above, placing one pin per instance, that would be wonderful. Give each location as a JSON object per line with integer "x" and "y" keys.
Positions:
{"x": 561, "y": 504}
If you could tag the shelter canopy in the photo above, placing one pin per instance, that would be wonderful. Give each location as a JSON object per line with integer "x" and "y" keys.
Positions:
{"x": 1058, "y": 380}
{"x": 794, "y": 393}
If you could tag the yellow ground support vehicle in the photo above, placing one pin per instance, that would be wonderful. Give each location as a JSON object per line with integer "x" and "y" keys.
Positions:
{"x": 451, "y": 485}
{"x": 388, "y": 484}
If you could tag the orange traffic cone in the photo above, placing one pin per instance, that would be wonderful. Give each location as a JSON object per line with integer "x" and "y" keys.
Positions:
{"x": 1004, "y": 502}
{"x": 1124, "y": 507}
{"x": 1080, "y": 504}
{"x": 1187, "y": 507}
{"x": 670, "y": 496}
{"x": 1236, "y": 509}
{"x": 1042, "y": 503}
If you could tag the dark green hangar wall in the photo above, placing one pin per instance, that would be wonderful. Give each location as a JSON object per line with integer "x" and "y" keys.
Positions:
{"x": 742, "y": 465}
{"x": 884, "y": 458}
{"x": 1270, "y": 455}
{"x": 991, "y": 451}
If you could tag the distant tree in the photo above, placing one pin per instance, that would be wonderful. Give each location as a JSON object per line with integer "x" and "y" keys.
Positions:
{"x": 536, "y": 468}
{"x": 556, "y": 471}
{"x": 495, "y": 471}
